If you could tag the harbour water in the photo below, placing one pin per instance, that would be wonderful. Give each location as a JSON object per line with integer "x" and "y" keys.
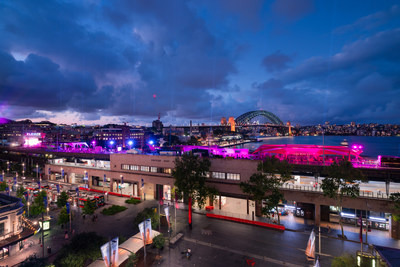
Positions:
{"x": 373, "y": 145}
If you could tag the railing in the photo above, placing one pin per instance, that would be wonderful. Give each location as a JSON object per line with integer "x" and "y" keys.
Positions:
{"x": 84, "y": 165}
{"x": 318, "y": 189}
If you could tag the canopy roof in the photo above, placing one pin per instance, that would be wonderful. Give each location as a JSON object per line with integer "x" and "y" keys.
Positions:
{"x": 311, "y": 150}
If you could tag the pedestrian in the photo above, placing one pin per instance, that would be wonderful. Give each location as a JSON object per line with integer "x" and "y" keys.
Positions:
{"x": 329, "y": 229}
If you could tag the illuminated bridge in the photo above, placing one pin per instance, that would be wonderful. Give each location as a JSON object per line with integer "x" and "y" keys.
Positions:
{"x": 247, "y": 117}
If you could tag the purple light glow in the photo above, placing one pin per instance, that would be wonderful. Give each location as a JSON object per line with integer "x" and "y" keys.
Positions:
{"x": 130, "y": 142}
{"x": 112, "y": 142}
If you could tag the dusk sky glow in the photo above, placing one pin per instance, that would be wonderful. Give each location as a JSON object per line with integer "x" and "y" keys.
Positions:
{"x": 98, "y": 62}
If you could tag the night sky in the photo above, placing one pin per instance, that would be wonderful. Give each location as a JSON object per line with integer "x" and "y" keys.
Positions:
{"x": 91, "y": 62}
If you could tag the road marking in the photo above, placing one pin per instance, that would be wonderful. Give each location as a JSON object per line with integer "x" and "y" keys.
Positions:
{"x": 322, "y": 254}
{"x": 244, "y": 253}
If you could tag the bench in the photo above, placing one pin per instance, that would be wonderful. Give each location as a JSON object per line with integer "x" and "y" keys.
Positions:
{"x": 175, "y": 239}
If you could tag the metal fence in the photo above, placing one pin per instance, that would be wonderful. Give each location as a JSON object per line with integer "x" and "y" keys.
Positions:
{"x": 318, "y": 189}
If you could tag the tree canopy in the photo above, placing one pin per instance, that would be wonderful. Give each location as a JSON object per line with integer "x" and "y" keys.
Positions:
{"x": 265, "y": 184}
{"x": 88, "y": 207}
{"x": 341, "y": 179}
{"x": 63, "y": 216}
{"x": 62, "y": 199}
{"x": 38, "y": 203}
{"x": 190, "y": 175}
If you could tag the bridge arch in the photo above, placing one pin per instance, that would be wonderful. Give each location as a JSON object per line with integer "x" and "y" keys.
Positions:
{"x": 246, "y": 117}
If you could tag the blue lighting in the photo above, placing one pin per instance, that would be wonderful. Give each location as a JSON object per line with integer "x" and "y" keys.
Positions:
{"x": 130, "y": 142}
{"x": 111, "y": 142}
{"x": 151, "y": 142}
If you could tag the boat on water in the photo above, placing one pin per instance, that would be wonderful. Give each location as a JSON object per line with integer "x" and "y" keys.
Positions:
{"x": 344, "y": 143}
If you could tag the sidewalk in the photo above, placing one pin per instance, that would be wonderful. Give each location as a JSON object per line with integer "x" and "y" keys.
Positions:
{"x": 297, "y": 224}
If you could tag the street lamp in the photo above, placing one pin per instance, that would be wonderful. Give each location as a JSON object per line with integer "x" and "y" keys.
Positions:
{"x": 28, "y": 207}
{"x": 8, "y": 167}
{"x": 23, "y": 170}
{"x": 37, "y": 171}
{"x": 130, "y": 143}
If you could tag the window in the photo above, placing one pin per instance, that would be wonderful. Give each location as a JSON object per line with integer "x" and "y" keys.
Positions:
{"x": 1, "y": 228}
{"x": 125, "y": 166}
{"x": 145, "y": 168}
{"x": 218, "y": 175}
{"x": 167, "y": 170}
{"x": 153, "y": 169}
{"x": 233, "y": 176}
{"x": 134, "y": 167}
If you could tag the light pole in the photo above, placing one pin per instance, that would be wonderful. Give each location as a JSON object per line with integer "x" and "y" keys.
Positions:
{"x": 37, "y": 171}
{"x": 23, "y": 170}
{"x": 86, "y": 178}
{"x": 8, "y": 167}
{"x": 122, "y": 182}
{"x": 28, "y": 207}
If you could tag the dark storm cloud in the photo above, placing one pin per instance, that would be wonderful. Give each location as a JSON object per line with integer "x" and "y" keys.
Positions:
{"x": 98, "y": 57}
{"x": 39, "y": 83}
{"x": 276, "y": 61}
{"x": 292, "y": 10}
{"x": 358, "y": 83}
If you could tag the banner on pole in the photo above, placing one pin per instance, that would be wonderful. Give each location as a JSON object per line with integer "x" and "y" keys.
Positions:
{"x": 310, "y": 250}
{"x": 58, "y": 188}
{"x": 104, "y": 178}
{"x": 166, "y": 210}
{"x": 146, "y": 231}
{"x": 1, "y": 178}
{"x": 67, "y": 205}
{"x": 109, "y": 252}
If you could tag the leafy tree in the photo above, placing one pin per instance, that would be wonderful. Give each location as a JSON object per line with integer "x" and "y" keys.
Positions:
{"x": 33, "y": 261}
{"x": 81, "y": 251}
{"x": 63, "y": 216}
{"x": 159, "y": 242}
{"x": 341, "y": 180}
{"x": 88, "y": 207}
{"x": 62, "y": 199}
{"x": 147, "y": 213}
{"x": 190, "y": 175}
{"x": 272, "y": 173}
{"x": 395, "y": 197}
{"x": 132, "y": 260}
{"x": 20, "y": 192}
{"x": 38, "y": 203}
{"x": 3, "y": 186}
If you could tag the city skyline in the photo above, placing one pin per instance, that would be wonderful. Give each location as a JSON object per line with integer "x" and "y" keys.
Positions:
{"x": 95, "y": 63}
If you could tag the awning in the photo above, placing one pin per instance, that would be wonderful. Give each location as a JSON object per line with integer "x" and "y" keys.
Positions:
{"x": 132, "y": 245}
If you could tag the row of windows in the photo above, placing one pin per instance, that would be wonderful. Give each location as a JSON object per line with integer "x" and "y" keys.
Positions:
{"x": 223, "y": 175}
{"x": 216, "y": 175}
{"x": 146, "y": 168}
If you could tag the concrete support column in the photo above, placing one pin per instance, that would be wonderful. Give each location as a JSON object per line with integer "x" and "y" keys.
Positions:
{"x": 220, "y": 201}
{"x": 258, "y": 208}
{"x": 317, "y": 214}
{"x": 394, "y": 229}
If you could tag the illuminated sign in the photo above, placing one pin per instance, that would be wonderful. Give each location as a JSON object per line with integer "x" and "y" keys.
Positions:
{"x": 46, "y": 225}
{"x": 33, "y": 134}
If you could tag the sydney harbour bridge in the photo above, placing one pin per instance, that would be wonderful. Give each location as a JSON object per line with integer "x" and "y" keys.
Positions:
{"x": 251, "y": 119}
